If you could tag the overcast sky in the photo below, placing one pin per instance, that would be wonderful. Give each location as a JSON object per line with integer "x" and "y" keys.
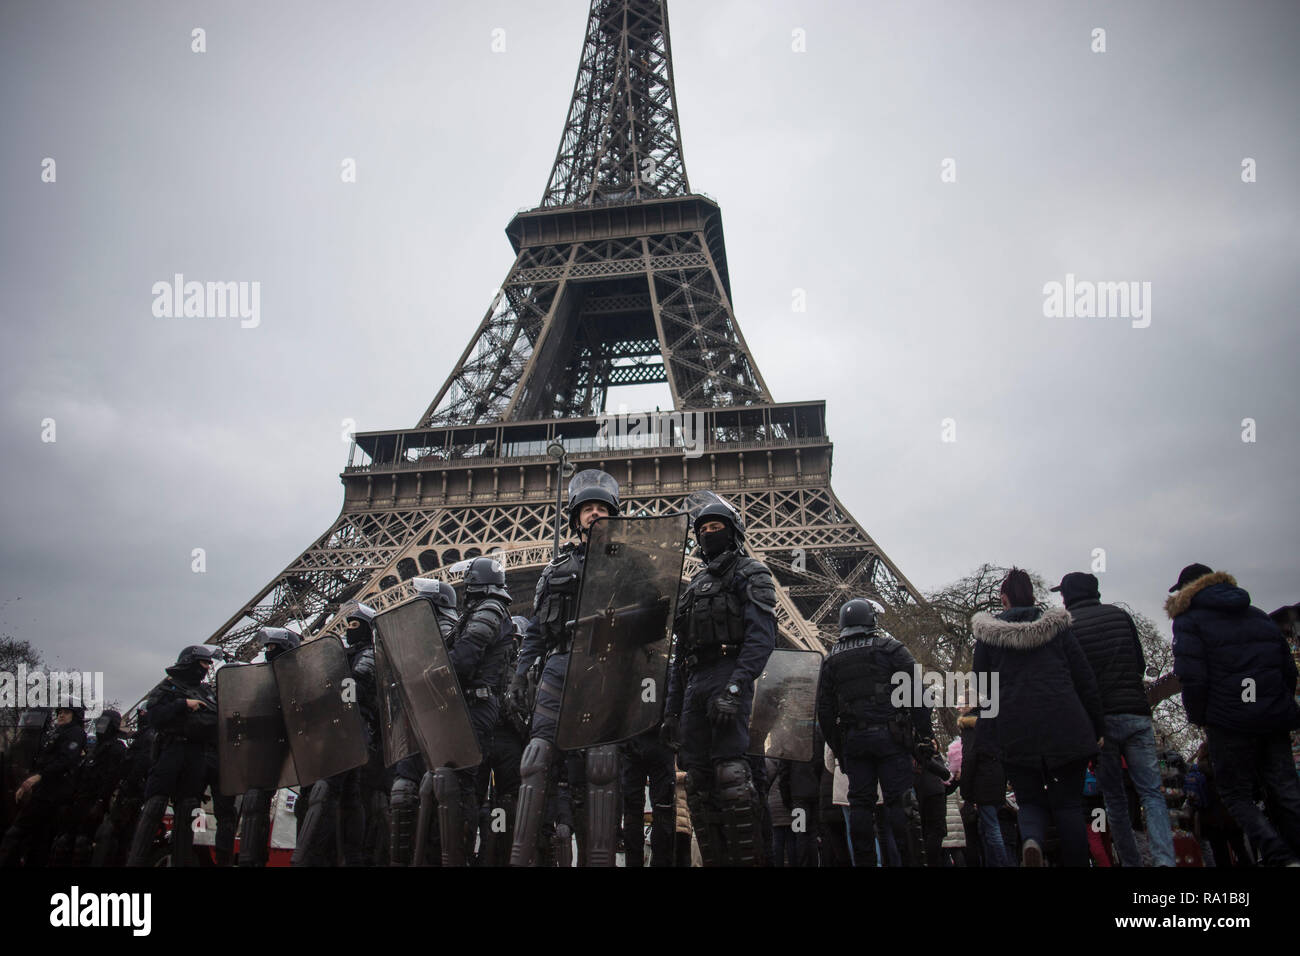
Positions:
{"x": 925, "y": 298}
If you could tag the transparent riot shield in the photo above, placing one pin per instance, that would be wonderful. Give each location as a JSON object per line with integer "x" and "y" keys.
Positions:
{"x": 617, "y": 679}
{"x": 327, "y": 734}
{"x": 252, "y": 744}
{"x": 398, "y": 738}
{"x": 431, "y": 697}
{"x": 25, "y": 743}
{"x": 785, "y": 706}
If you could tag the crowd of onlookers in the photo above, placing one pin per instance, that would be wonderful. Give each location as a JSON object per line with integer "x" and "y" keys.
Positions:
{"x": 1069, "y": 771}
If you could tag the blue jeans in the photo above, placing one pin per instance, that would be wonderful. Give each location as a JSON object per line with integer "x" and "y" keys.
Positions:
{"x": 995, "y": 851}
{"x": 1131, "y": 736}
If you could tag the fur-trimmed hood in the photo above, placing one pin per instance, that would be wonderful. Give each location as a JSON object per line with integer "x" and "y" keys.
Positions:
{"x": 1020, "y": 635}
{"x": 1181, "y": 600}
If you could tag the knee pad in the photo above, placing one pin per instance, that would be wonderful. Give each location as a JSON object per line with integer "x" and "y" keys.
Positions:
{"x": 602, "y": 766}
{"x": 536, "y": 760}
{"x": 733, "y": 781}
{"x": 406, "y": 794}
{"x": 322, "y": 793}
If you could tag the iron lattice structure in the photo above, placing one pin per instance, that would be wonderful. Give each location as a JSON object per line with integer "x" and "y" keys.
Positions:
{"x": 620, "y": 277}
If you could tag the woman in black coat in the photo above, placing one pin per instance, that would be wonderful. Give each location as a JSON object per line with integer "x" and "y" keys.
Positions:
{"x": 1049, "y": 719}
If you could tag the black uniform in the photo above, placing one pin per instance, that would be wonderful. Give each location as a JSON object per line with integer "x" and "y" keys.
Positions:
{"x": 183, "y": 739}
{"x": 479, "y": 650}
{"x": 873, "y": 739}
{"x": 411, "y": 800}
{"x": 29, "y": 837}
{"x": 555, "y": 601}
{"x": 726, "y": 630}
{"x": 500, "y": 768}
{"x": 336, "y": 804}
{"x": 114, "y": 835}
{"x": 97, "y": 779}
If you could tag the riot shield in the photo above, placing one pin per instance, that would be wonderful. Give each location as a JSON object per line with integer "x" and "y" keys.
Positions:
{"x": 435, "y": 707}
{"x": 318, "y": 699}
{"x": 252, "y": 745}
{"x": 398, "y": 738}
{"x": 618, "y": 663}
{"x": 28, "y": 738}
{"x": 785, "y": 706}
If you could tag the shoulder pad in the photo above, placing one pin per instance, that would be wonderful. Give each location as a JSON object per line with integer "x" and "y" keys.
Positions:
{"x": 493, "y": 611}
{"x": 759, "y": 586}
{"x": 541, "y": 584}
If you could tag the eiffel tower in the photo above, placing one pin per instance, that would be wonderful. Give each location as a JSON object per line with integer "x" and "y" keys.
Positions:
{"x": 619, "y": 278}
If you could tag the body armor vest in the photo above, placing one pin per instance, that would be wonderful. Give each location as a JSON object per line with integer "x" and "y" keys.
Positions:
{"x": 557, "y": 597}
{"x": 492, "y": 666}
{"x": 863, "y": 666}
{"x": 711, "y": 612}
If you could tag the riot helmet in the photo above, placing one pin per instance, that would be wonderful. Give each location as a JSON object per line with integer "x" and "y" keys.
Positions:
{"x": 72, "y": 705}
{"x": 358, "y": 618}
{"x": 193, "y": 662}
{"x": 705, "y": 506}
{"x": 108, "y": 724}
{"x": 591, "y": 484}
{"x": 859, "y": 616}
{"x": 277, "y": 640}
{"x": 438, "y": 593}
{"x": 486, "y": 577}
{"x": 520, "y": 627}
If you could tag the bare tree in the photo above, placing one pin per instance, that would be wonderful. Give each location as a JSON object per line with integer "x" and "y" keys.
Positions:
{"x": 14, "y": 654}
{"x": 938, "y": 632}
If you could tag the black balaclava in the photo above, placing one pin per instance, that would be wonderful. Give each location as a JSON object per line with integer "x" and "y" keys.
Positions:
{"x": 715, "y": 543}
{"x": 360, "y": 636}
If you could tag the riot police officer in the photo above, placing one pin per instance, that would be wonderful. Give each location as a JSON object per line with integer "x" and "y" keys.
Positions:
{"x": 498, "y": 776}
{"x": 96, "y": 780}
{"x": 255, "y": 809}
{"x": 183, "y": 711}
{"x": 478, "y": 648}
{"x": 726, "y": 630}
{"x": 46, "y": 790}
{"x": 874, "y": 740}
{"x": 592, "y": 495}
{"x": 114, "y": 834}
{"x": 341, "y": 794}
{"x": 411, "y": 798}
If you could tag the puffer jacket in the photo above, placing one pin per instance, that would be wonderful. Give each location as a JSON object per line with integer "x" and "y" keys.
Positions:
{"x": 1109, "y": 639}
{"x": 1236, "y": 669}
{"x": 956, "y": 831}
{"x": 1049, "y": 710}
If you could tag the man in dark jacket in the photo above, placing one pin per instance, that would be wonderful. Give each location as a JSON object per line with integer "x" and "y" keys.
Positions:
{"x": 48, "y": 788}
{"x": 1109, "y": 639}
{"x": 1049, "y": 721}
{"x": 183, "y": 711}
{"x": 1239, "y": 683}
{"x": 873, "y": 735}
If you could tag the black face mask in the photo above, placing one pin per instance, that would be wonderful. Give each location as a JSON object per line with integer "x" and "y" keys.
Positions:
{"x": 715, "y": 542}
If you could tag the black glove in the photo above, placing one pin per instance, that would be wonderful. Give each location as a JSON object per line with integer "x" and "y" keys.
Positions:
{"x": 517, "y": 693}
{"x": 724, "y": 708}
{"x": 669, "y": 731}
